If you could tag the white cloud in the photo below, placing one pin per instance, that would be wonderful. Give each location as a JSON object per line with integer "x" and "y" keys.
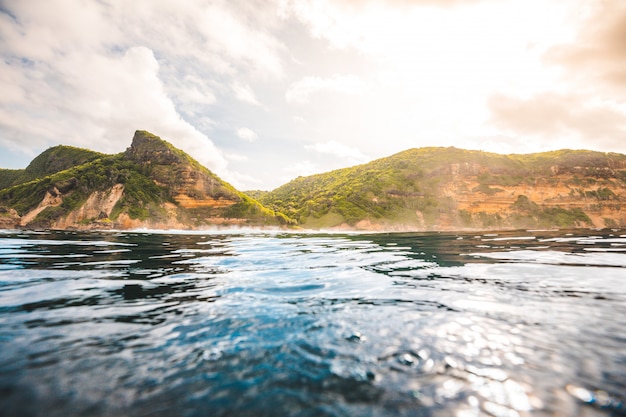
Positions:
{"x": 243, "y": 92}
{"x": 339, "y": 150}
{"x": 302, "y": 168}
{"x": 236, "y": 157}
{"x": 244, "y": 182}
{"x": 300, "y": 92}
{"x": 74, "y": 72}
{"x": 242, "y": 43}
{"x": 376, "y": 77}
{"x": 247, "y": 134}
{"x": 225, "y": 37}
{"x": 103, "y": 100}
{"x": 566, "y": 119}
{"x": 191, "y": 89}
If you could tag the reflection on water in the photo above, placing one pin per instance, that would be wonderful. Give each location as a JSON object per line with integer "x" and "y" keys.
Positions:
{"x": 260, "y": 324}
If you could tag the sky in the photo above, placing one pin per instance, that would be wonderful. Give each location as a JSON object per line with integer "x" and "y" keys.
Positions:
{"x": 263, "y": 91}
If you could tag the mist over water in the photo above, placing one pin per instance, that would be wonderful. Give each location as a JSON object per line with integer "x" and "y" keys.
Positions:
{"x": 270, "y": 324}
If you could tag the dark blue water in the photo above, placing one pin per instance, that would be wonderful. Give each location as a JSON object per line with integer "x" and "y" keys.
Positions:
{"x": 261, "y": 324}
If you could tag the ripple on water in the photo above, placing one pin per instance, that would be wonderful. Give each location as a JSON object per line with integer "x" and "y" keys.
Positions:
{"x": 507, "y": 324}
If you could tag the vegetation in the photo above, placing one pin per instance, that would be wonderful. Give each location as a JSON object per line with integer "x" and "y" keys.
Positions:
{"x": 426, "y": 188}
{"x": 530, "y": 214}
{"x": 53, "y": 160}
{"x": 152, "y": 172}
{"x": 409, "y": 188}
{"x": 255, "y": 194}
{"x": 8, "y": 177}
{"x": 571, "y": 160}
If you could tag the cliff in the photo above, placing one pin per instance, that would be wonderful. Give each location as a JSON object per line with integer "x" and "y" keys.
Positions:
{"x": 152, "y": 185}
{"x": 456, "y": 189}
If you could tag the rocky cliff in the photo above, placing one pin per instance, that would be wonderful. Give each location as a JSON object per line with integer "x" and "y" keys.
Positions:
{"x": 152, "y": 185}
{"x": 455, "y": 189}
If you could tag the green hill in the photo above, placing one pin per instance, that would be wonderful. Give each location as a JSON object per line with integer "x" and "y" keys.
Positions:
{"x": 152, "y": 184}
{"x": 451, "y": 189}
{"x": 52, "y": 160}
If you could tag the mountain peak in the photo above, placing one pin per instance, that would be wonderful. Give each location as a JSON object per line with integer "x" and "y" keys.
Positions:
{"x": 148, "y": 148}
{"x": 59, "y": 158}
{"x": 152, "y": 184}
{"x": 50, "y": 161}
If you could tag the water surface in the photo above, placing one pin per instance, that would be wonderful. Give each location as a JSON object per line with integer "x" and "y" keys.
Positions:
{"x": 269, "y": 324}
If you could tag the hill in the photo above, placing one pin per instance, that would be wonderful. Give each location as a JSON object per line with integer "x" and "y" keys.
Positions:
{"x": 55, "y": 159}
{"x": 454, "y": 189}
{"x": 152, "y": 184}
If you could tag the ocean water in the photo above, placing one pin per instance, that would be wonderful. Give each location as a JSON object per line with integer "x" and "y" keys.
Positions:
{"x": 529, "y": 323}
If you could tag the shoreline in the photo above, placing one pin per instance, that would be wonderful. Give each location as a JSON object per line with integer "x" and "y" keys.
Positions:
{"x": 300, "y": 231}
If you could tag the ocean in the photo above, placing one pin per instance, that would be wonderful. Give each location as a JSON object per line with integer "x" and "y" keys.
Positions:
{"x": 259, "y": 323}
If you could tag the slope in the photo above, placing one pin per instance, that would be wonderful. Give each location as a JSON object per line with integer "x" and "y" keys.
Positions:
{"x": 452, "y": 189}
{"x": 52, "y": 160}
{"x": 152, "y": 184}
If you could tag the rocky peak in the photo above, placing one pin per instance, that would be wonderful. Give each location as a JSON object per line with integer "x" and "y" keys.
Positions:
{"x": 147, "y": 148}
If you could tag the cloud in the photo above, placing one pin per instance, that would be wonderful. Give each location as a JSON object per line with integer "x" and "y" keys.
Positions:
{"x": 191, "y": 89}
{"x": 561, "y": 117}
{"x": 339, "y": 150}
{"x": 90, "y": 73}
{"x": 302, "y": 168}
{"x": 219, "y": 35}
{"x": 236, "y": 157}
{"x": 244, "y": 182}
{"x": 97, "y": 101}
{"x": 300, "y": 92}
{"x": 413, "y": 3}
{"x": 599, "y": 50}
{"x": 242, "y": 43}
{"x": 375, "y": 76}
{"x": 246, "y": 134}
{"x": 373, "y": 25}
{"x": 243, "y": 92}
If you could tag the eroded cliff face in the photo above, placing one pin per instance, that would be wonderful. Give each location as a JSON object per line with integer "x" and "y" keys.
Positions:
{"x": 96, "y": 210}
{"x": 154, "y": 185}
{"x": 602, "y": 200}
{"x": 190, "y": 185}
{"x": 454, "y": 189}
{"x": 9, "y": 219}
{"x": 467, "y": 201}
{"x": 151, "y": 185}
{"x": 52, "y": 198}
{"x": 93, "y": 213}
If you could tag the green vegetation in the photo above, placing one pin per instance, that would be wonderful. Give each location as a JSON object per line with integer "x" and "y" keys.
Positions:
{"x": 49, "y": 214}
{"x": 387, "y": 189}
{"x": 487, "y": 190}
{"x": 605, "y": 194}
{"x": 529, "y": 214}
{"x": 53, "y": 160}
{"x": 410, "y": 188}
{"x": 524, "y": 204}
{"x": 563, "y": 218}
{"x": 256, "y": 194}
{"x": 60, "y": 158}
{"x": 421, "y": 188}
{"x": 9, "y": 177}
{"x": 152, "y": 173}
